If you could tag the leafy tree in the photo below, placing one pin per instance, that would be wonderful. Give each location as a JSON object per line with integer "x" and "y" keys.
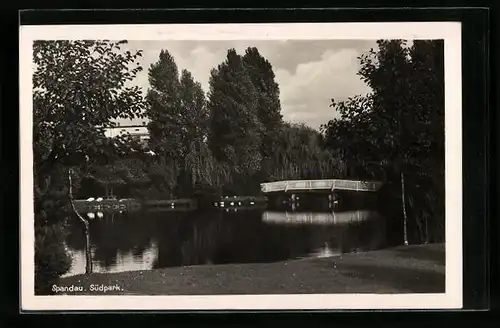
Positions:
{"x": 79, "y": 89}
{"x": 164, "y": 107}
{"x": 262, "y": 76}
{"x": 166, "y": 124}
{"x": 51, "y": 257}
{"x": 396, "y": 132}
{"x": 198, "y": 161}
{"x": 357, "y": 136}
{"x": 178, "y": 127}
{"x": 426, "y": 167}
{"x": 120, "y": 178}
{"x": 234, "y": 125}
{"x": 299, "y": 154}
{"x": 194, "y": 110}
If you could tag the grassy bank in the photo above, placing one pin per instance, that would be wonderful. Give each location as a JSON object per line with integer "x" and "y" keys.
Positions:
{"x": 405, "y": 269}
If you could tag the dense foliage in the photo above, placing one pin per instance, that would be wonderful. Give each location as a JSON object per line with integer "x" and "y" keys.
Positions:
{"x": 232, "y": 138}
{"x": 79, "y": 89}
{"x": 396, "y": 133}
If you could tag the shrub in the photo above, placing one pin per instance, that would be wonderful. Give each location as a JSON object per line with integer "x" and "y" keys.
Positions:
{"x": 52, "y": 258}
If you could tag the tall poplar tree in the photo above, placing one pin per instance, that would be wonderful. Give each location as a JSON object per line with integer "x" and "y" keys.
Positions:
{"x": 164, "y": 107}
{"x": 166, "y": 125}
{"x": 199, "y": 164}
{"x": 194, "y": 110}
{"x": 262, "y": 76}
{"x": 234, "y": 125}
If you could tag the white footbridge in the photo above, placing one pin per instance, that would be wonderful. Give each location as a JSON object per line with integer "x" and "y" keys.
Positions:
{"x": 320, "y": 185}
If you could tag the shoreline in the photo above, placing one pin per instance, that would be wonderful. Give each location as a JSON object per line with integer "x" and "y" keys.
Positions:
{"x": 402, "y": 269}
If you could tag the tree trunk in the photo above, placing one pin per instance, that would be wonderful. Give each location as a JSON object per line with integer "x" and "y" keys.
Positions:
{"x": 88, "y": 251}
{"x": 420, "y": 230}
{"x": 88, "y": 254}
{"x": 426, "y": 230}
{"x": 405, "y": 217}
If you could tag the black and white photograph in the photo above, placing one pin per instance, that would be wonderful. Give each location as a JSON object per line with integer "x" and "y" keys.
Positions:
{"x": 241, "y": 166}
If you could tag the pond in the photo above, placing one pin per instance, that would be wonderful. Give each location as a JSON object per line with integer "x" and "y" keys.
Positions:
{"x": 145, "y": 240}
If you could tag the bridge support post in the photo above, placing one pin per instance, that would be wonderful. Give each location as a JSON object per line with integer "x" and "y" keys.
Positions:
{"x": 333, "y": 196}
{"x": 333, "y": 199}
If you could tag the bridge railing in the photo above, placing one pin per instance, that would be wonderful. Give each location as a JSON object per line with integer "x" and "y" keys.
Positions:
{"x": 346, "y": 184}
{"x": 274, "y": 186}
{"x": 301, "y": 184}
{"x": 321, "y": 185}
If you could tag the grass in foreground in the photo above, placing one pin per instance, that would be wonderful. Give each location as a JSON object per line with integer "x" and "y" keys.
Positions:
{"x": 405, "y": 269}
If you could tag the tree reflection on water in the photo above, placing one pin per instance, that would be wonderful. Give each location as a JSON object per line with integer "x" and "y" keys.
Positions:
{"x": 150, "y": 240}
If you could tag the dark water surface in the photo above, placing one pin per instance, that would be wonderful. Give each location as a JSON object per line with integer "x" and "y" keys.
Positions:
{"x": 148, "y": 240}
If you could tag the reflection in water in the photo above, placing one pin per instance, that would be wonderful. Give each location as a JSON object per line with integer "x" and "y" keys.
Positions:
{"x": 326, "y": 251}
{"x": 317, "y": 217}
{"x": 148, "y": 240}
{"x": 121, "y": 261}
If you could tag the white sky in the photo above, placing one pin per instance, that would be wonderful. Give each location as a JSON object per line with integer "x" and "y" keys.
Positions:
{"x": 309, "y": 72}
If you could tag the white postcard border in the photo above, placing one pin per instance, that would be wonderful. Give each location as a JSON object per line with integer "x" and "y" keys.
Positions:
{"x": 449, "y": 31}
